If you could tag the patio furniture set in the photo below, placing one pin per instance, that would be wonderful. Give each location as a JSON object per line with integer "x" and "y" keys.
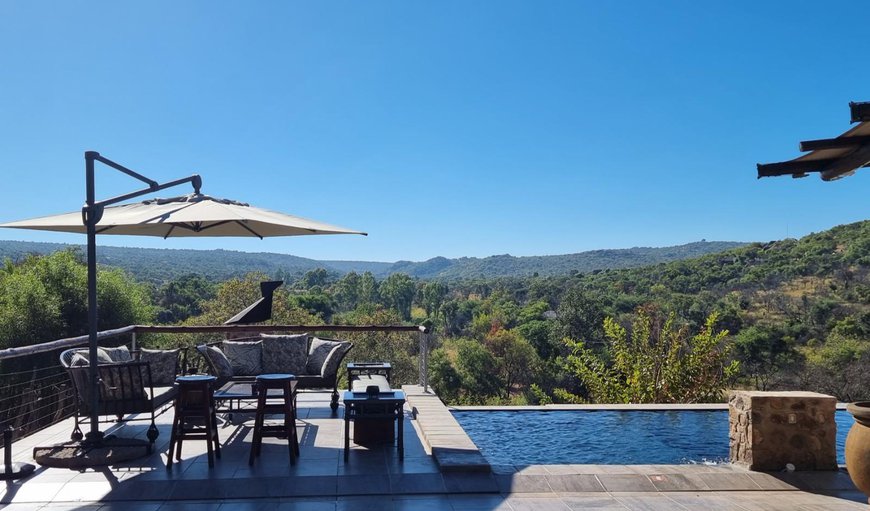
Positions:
{"x": 259, "y": 375}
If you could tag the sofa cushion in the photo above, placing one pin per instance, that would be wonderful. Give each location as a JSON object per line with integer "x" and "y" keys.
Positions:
{"x": 285, "y": 353}
{"x": 362, "y": 383}
{"x": 119, "y": 354}
{"x": 336, "y": 355}
{"x": 218, "y": 362}
{"x": 245, "y": 357}
{"x": 318, "y": 353}
{"x": 102, "y": 356}
{"x": 163, "y": 363}
{"x": 78, "y": 360}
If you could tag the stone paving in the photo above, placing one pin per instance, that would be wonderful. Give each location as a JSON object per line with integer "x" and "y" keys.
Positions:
{"x": 375, "y": 479}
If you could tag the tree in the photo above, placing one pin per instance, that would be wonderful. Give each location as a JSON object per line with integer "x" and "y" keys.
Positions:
{"x": 432, "y": 296}
{"x": 348, "y": 291}
{"x": 763, "y": 352}
{"x": 838, "y": 367}
{"x": 581, "y": 316}
{"x": 43, "y": 298}
{"x": 317, "y": 277}
{"x": 516, "y": 360}
{"x": 181, "y": 298}
{"x": 234, "y": 295}
{"x": 397, "y": 292}
{"x": 655, "y": 364}
{"x": 317, "y": 304}
{"x": 368, "y": 288}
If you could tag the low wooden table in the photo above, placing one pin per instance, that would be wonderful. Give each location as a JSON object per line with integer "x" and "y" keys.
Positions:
{"x": 385, "y": 406}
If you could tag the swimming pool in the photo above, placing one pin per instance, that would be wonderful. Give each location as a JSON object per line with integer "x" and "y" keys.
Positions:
{"x": 604, "y": 437}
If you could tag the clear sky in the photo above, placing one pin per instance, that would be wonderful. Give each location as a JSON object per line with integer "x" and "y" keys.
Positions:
{"x": 441, "y": 128}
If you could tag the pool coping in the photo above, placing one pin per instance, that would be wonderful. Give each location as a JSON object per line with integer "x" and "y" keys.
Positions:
{"x": 601, "y": 407}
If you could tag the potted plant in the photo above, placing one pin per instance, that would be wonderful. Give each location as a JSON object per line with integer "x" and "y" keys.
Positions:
{"x": 858, "y": 446}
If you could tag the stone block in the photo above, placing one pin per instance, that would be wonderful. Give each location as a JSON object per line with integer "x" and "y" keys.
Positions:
{"x": 769, "y": 430}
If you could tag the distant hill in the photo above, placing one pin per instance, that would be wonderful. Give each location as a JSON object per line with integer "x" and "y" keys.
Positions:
{"x": 158, "y": 265}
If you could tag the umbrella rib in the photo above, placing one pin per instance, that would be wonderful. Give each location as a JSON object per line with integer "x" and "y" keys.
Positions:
{"x": 171, "y": 228}
{"x": 249, "y": 229}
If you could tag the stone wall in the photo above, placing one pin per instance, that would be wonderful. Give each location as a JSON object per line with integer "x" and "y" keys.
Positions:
{"x": 769, "y": 430}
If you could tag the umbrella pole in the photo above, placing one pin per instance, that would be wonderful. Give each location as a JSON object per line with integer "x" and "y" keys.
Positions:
{"x": 91, "y": 217}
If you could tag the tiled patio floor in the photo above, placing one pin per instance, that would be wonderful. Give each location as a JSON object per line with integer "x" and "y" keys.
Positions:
{"x": 376, "y": 479}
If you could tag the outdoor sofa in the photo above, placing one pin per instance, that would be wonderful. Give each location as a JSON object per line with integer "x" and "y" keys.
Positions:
{"x": 130, "y": 383}
{"x": 314, "y": 361}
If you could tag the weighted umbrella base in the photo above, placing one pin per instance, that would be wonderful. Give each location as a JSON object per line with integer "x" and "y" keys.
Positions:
{"x": 16, "y": 471}
{"x": 77, "y": 455}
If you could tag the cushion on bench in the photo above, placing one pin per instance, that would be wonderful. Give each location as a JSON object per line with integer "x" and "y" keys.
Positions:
{"x": 361, "y": 383}
{"x": 285, "y": 353}
{"x": 245, "y": 357}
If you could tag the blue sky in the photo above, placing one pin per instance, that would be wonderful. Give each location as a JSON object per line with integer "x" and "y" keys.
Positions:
{"x": 441, "y": 128}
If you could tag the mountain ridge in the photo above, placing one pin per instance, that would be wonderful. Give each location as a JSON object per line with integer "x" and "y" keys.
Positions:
{"x": 162, "y": 264}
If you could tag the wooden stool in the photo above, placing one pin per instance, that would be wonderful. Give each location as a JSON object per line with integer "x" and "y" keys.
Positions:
{"x": 286, "y": 383}
{"x": 195, "y": 400}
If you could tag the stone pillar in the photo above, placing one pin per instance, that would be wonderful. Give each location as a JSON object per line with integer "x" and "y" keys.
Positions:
{"x": 769, "y": 430}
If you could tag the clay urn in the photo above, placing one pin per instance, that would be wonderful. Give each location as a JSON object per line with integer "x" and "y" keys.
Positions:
{"x": 858, "y": 446}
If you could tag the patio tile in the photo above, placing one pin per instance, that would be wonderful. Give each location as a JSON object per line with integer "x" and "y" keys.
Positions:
{"x": 626, "y": 483}
{"x": 518, "y": 483}
{"x": 826, "y": 480}
{"x": 593, "y": 501}
{"x": 537, "y": 504}
{"x": 22, "y": 491}
{"x": 783, "y": 481}
{"x": 363, "y": 484}
{"x": 648, "y": 502}
{"x": 705, "y": 501}
{"x": 429, "y": 503}
{"x": 307, "y": 505}
{"x": 678, "y": 482}
{"x": 190, "y": 506}
{"x": 379, "y": 502}
{"x": 315, "y": 486}
{"x": 568, "y": 469}
{"x": 574, "y": 483}
{"x": 479, "y": 503}
{"x": 91, "y": 491}
{"x": 470, "y": 483}
{"x": 729, "y": 481}
{"x": 412, "y": 465}
{"x": 416, "y": 483}
{"x": 198, "y": 489}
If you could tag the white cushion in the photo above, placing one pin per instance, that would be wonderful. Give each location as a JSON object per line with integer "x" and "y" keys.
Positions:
{"x": 362, "y": 382}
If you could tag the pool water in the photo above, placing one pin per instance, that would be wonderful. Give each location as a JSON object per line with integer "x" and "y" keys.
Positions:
{"x": 607, "y": 437}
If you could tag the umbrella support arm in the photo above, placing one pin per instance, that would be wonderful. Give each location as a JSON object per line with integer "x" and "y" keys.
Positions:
{"x": 91, "y": 214}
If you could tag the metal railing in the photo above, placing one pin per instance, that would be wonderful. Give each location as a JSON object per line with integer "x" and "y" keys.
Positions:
{"x": 35, "y": 391}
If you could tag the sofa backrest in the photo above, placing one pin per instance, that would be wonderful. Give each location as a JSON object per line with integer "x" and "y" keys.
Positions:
{"x": 298, "y": 354}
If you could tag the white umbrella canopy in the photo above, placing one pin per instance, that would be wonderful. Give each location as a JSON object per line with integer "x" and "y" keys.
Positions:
{"x": 186, "y": 216}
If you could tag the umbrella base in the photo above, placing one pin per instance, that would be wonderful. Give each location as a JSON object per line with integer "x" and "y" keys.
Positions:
{"x": 77, "y": 455}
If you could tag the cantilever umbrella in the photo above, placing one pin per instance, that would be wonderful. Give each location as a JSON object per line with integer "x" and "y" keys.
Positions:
{"x": 190, "y": 215}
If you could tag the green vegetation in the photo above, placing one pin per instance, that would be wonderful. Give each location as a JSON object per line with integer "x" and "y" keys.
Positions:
{"x": 790, "y": 314}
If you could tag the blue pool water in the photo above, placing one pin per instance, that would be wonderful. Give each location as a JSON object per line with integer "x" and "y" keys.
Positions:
{"x": 607, "y": 437}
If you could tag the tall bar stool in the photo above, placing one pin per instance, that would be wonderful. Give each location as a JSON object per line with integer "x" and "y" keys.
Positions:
{"x": 195, "y": 417}
{"x": 286, "y": 384}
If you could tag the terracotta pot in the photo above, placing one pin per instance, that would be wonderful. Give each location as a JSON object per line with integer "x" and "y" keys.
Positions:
{"x": 858, "y": 446}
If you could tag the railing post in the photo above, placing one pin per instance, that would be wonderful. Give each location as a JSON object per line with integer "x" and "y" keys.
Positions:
{"x": 133, "y": 343}
{"x": 424, "y": 360}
